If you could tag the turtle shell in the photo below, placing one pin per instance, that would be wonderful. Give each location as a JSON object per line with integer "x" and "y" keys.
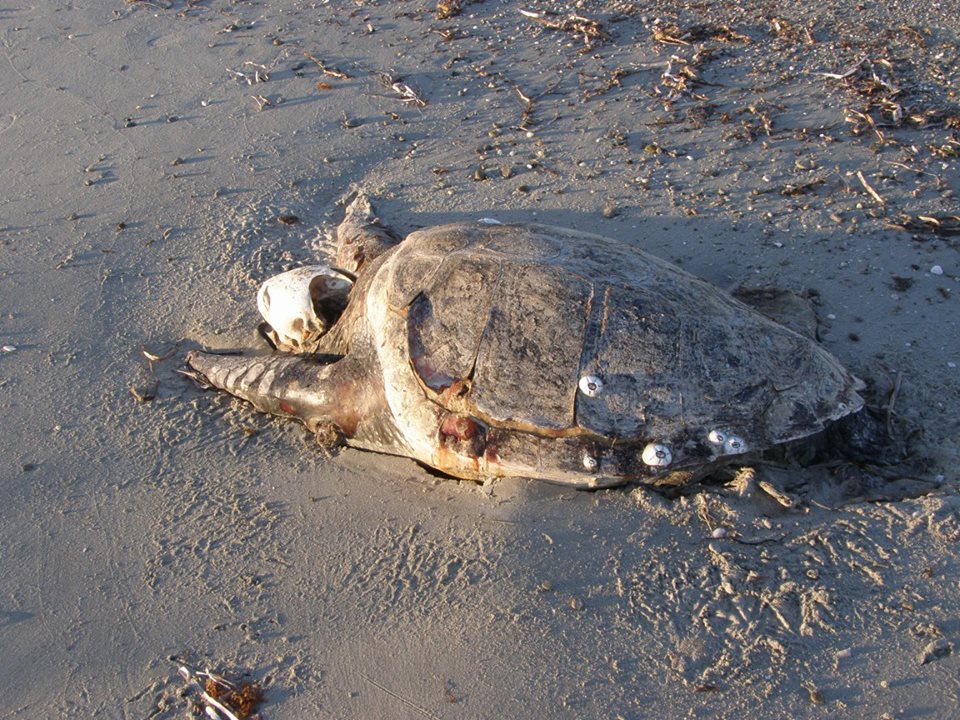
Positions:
{"x": 563, "y": 334}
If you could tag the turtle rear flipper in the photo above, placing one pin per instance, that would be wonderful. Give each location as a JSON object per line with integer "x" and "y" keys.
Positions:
{"x": 361, "y": 237}
{"x": 871, "y": 437}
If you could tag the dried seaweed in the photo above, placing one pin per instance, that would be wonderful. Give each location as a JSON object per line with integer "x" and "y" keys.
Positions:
{"x": 681, "y": 75}
{"x": 943, "y": 225}
{"x": 786, "y": 30}
{"x": 242, "y": 700}
{"x": 576, "y": 25}
{"x": 448, "y": 8}
{"x": 792, "y": 189}
{"x": 673, "y": 34}
{"x": 219, "y": 698}
{"x": 407, "y": 94}
{"x": 883, "y": 101}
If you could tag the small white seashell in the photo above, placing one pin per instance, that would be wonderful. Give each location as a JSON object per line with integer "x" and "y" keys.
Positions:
{"x": 936, "y": 270}
{"x": 8, "y": 348}
{"x": 590, "y": 462}
{"x": 489, "y": 221}
{"x": 656, "y": 455}
{"x": 734, "y": 445}
{"x": 718, "y": 533}
{"x": 590, "y": 385}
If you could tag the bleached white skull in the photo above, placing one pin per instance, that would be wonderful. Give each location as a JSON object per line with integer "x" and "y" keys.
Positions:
{"x": 301, "y": 305}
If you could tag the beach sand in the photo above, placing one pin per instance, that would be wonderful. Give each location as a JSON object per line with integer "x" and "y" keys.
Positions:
{"x": 149, "y": 149}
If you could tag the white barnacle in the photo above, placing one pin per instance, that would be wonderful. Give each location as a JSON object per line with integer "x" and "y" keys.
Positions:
{"x": 729, "y": 443}
{"x": 590, "y": 385}
{"x": 734, "y": 445}
{"x": 590, "y": 462}
{"x": 717, "y": 437}
{"x": 656, "y": 455}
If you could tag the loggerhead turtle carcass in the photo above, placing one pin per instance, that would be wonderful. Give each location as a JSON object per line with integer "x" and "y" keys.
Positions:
{"x": 488, "y": 350}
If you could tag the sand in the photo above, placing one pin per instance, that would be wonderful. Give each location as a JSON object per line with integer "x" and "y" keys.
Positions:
{"x": 140, "y": 210}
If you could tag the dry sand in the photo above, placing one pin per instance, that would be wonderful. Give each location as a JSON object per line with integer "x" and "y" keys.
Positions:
{"x": 140, "y": 204}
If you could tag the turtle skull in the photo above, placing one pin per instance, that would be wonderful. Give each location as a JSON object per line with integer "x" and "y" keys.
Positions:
{"x": 301, "y": 305}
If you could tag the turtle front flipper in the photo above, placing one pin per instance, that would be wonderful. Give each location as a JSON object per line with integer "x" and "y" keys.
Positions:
{"x": 285, "y": 385}
{"x": 319, "y": 391}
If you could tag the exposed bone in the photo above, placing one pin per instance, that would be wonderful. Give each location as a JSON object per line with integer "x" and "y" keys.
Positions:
{"x": 290, "y": 302}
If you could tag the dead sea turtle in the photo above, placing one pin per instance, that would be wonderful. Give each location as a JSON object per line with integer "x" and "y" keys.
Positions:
{"x": 486, "y": 350}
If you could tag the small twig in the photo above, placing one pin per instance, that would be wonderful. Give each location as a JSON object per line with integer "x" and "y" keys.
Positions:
{"x": 911, "y": 169}
{"x": 943, "y": 225}
{"x": 407, "y": 94}
{"x": 136, "y": 3}
{"x": 261, "y": 102}
{"x": 185, "y": 673}
{"x": 409, "y": 703}
{"x": 240, "y": 76}
{"x": 526, "y": 117}
{"x": 869, "y": 189}
{"x": 153, "y": 357}
{"x": 913, "y": 33}
{"x": 145, "y": 393}
{"x": 449, "y": 34}
{"x": 758, "y": 541}
{"x": 776, "y": 493}
{"x": 852, "y": 70}
{"x": 221, "y": 681}
{"x": 332, "y": 72}
{"x": 790, "y": 189}
{"x": 859, "y": 119}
